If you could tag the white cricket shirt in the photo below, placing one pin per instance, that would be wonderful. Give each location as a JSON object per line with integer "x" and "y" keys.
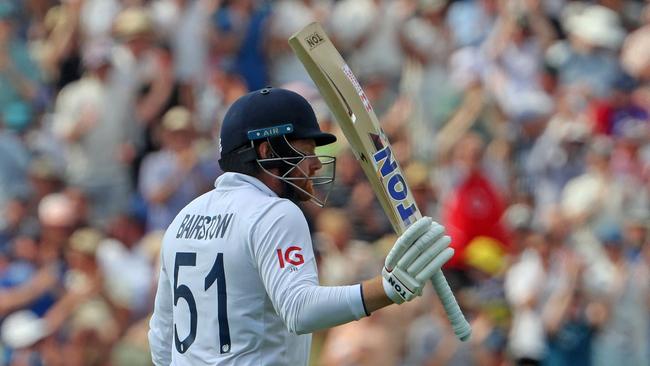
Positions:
{"x": 238, "y": 282}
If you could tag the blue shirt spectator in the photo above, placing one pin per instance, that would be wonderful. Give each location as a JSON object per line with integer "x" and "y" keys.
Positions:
{"x": 178, "y": 173}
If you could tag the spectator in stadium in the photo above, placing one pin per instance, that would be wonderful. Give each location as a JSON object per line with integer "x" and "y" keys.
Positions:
{"x": 342, "y": 260}
{"x": 239, "y": 40}
{"x": 99, "y": 75}
{"x": 588, "y": 60}
{"x": 286, "y": 18}
{"x": 20, "y": 77}
{"x": 85, "y": 306}
{"x": 595, "y": 197}
{"x": 172, "y": 177}
{"x": 571, "y": 318}
{"x": 472, "y": 204}
{"x": 87, "y": 122}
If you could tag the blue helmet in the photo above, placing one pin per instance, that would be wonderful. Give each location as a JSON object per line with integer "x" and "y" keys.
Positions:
{"x": 267, "y": 113}
{"x": 276, "y": 116}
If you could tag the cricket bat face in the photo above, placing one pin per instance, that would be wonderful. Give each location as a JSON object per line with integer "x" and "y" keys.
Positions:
{"x": 354, "y": 113}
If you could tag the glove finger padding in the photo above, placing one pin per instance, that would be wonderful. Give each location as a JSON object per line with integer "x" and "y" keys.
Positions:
{"x": 406, "y": 240}
{"x": 417, "y": 254}
{"x": 434, "y": 265}
{"x": 423, "y": 243}
{"x": 428, "y": 255}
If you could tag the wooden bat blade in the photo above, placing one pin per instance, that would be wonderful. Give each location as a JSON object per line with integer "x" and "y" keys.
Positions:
{"x": 351, "y": 108}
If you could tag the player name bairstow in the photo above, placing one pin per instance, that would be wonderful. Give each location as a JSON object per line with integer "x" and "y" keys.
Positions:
{"x": 204, "y": 227}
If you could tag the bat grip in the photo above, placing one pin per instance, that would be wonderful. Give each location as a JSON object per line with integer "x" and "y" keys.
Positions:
{"x": 461, "y": 327}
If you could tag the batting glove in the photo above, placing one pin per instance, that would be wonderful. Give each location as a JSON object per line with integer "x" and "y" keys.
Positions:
{"x": 417, "y": 254}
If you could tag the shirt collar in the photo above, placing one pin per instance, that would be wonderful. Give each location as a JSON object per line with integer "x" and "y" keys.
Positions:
{"x": 230, "y": 180}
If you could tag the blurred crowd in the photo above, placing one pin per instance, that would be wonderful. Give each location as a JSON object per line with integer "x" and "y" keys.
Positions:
{"x": 523, "y": 126}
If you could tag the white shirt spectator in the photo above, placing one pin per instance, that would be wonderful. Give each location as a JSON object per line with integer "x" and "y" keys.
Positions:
{"x": 127, "y": 273}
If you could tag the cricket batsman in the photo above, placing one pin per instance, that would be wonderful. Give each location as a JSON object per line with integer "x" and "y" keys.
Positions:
{"x": 238, "y": 280}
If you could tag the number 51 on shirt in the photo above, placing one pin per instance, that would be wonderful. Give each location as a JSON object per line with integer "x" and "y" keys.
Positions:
{"x": 182, "y": 291}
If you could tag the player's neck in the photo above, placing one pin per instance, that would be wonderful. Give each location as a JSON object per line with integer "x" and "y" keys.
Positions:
{"x": 273, "y": 183}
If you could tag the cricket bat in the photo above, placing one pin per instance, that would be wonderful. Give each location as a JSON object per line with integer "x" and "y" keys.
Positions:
{"x": 352, "y": 109}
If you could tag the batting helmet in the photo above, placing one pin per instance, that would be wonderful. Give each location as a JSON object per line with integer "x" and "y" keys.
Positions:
{"x": 270, "y": 112}
{"x": 276, "y": 116}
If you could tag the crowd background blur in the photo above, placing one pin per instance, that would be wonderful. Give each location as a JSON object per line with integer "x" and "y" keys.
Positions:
{"x": 522, "y": 125}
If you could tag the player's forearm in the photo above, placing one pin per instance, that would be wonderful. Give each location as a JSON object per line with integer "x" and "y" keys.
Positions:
{"x": 374, "y": 295}
{"x": 312, "y": 308}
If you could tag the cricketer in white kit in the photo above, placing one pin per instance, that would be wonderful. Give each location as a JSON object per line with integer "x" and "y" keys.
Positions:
{"x": 238, "y": 279}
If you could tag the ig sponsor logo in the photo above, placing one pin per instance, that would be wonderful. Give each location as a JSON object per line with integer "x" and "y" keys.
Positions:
{"x": 291, "y": 255}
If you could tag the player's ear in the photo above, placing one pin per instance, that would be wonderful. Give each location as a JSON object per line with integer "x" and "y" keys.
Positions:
{"x": 264, "y": 150}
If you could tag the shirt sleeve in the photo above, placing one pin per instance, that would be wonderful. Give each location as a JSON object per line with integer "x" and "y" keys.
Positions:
{"x": 282, "y": 249}
{"x": 160, "y": 325}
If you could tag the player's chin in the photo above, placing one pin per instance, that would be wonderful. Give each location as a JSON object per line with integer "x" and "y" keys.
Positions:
{"x": 306, "y": 191}
{"x": 302, "y": 196}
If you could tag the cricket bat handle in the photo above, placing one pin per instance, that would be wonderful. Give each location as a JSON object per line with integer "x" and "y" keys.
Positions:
{"x": 461, "y": 327}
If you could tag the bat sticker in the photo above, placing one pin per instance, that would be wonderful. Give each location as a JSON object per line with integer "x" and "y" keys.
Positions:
{"x": 314, "y": 40}
{"x": 394, "y": 184}
{"x": 357, "y": 87}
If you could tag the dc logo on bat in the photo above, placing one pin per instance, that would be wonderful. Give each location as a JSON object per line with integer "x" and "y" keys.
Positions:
{"x": 314, "y": 40}
{"x": 394, "y": 183}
